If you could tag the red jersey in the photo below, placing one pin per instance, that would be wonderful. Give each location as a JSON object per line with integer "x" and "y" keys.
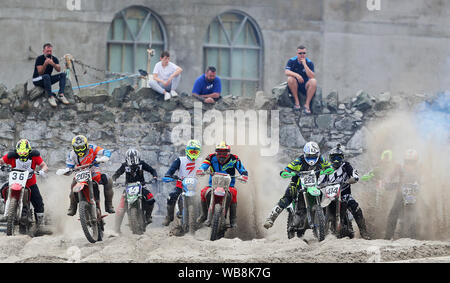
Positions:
{"x": 12, "y": 158}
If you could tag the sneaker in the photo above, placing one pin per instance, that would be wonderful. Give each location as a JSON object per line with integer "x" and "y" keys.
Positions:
{"x": 63, "y": 99}
{"x": 167, "y": 96}
{"x": 52, "y": 101}
{"x": 173, "y": 93}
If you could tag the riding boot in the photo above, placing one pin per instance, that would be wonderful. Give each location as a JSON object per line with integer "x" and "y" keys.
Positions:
{"x": 204, "y": 213}
{"x": 359, "y": 218}
{"x": 233, "y": 208}
{"x": 273, "y": 215}
{"x": 148, "y": 213}
{"x": 109, "y": 193}
{"x": 73, "y": 205}
{"x": 170, "y": 212}
{"x": 39, "y": 219}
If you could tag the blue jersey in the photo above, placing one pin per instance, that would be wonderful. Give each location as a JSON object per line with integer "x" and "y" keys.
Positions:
{"x": 230, "y": 167}
{"x": 203, "y": 86}
{"x": 295, "y": 66}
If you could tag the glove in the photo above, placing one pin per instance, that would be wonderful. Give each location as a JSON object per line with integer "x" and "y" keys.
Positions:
{"x": 103, "y": 159}
{"x": 352, "y": 180}
{"x": 244, "y": 179}
{"x": 42, "y": 173}
{"x": 200, "y": 172}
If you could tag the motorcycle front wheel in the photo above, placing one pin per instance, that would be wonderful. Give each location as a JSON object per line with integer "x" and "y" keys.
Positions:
{"x": 136, "y": 219}
{"x": 11, "y": 218}
{"x": 319, "y": 223}
{"x": 88, "y": 222}
{"x": 216, "y": 222}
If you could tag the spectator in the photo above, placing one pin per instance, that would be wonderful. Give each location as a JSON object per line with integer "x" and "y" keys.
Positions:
{"x": 42, "y": 75}
{"x": 207, "y": 87}
{"x": 301, "y": 78}
{"x": 166, "y": 76}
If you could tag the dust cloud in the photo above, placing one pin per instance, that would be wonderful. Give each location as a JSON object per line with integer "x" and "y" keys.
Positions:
{"x": 424, "y": 128}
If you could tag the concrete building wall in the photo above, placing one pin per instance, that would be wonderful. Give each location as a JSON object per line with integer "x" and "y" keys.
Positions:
{"x": 402, "y": 47}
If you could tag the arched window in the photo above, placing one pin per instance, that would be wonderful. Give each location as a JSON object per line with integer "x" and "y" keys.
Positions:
{"x": 233, "y": 44}
{"x": 132, "y": 31}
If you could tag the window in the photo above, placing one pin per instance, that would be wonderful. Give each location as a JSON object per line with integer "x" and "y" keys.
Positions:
{"x": 233, "y": 44}
{"x": 131, "y": 33}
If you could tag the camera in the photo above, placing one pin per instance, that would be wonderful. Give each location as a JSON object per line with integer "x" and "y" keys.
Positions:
{"x": 49, "y": 56}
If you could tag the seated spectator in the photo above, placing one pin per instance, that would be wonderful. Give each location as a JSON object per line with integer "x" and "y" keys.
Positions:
{"x": 42, "y": 75}
{"x": 301, "y": 78}
{"x": 166, "y": 77}
{"x": 207, "y": 87}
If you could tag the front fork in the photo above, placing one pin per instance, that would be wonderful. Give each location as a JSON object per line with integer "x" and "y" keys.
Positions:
{"x": 19, "y": 213}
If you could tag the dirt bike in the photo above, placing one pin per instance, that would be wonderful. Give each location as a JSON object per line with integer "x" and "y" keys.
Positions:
{"x": 18, "y": 202}
{"x": 219, "y": 204}
{"x": 186, "y": 202}
{"x": 408, "y": 215}
{"x": 337, "y": 218}
{"x": 133, "y": 205}
{"x": 90, "y": 214}
{"x": 315, "y": 218}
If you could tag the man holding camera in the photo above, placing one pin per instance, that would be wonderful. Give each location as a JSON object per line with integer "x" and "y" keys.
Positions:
{"x": 42, "y": 75}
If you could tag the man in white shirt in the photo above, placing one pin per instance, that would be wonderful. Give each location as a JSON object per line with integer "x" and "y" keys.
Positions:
{"x": 166, "y": 77}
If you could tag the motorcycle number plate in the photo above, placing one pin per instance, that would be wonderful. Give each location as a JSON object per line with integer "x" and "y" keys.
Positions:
{"x": 133, "y": 190}
{"x": 331, "y": 191}
{"x": 83, "y": 176}
{"x": 309, "y": 179}
{"x": 18, "y": 177}
{"x": 408, "y": 195}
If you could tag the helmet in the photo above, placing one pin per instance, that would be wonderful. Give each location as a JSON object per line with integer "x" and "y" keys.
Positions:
{"x": 386, "y": 155}
{"x": 23, "y": 149}
{"x": 223, "y": 152}
{"x": 411, "y": 156}
{"x": 193, "y": 149}
{"x": 311, "y": 152}
{"x": 336, "y": 156}
{"x": 80, "y": 145}
{"x": 133, "y": 157}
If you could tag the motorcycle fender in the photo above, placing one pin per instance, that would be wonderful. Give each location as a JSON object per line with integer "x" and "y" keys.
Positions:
{"x": 78, "y": 187}
{"x": 313, "y": 191}
{"x": 131, "y": 199}
{"x": 325, "y": 202}
{"x": 15, "y": 190}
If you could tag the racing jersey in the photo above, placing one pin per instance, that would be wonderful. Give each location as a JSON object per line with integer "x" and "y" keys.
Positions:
{"x": 234, "y": 163}
{"x": 12, "y": 158}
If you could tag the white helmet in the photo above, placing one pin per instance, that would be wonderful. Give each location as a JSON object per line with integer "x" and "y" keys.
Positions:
{"x": 311, "y": 152}
{"x": 132, "y": 157}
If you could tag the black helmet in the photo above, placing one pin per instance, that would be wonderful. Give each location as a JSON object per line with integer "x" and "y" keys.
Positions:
{"x": 133, "y": 157}
{"x": 336, "y": 156}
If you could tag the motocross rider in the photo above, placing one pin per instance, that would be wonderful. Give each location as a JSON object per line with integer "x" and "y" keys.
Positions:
{"x": 84, "y": 153}
{"x": 134, "y": 169}
{"x": 309, "y": 160}
{"x": 186, "y": 166}
{"x": 343, "y": 171}
{"x": 408, "y": 174}
{"x": 221, "y": 161}
{"x": 26, "y": 158}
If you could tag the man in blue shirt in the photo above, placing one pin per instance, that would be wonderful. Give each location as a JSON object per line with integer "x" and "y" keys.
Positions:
{"x": 207, "y": 87}
{"x": 301, "y": 78}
